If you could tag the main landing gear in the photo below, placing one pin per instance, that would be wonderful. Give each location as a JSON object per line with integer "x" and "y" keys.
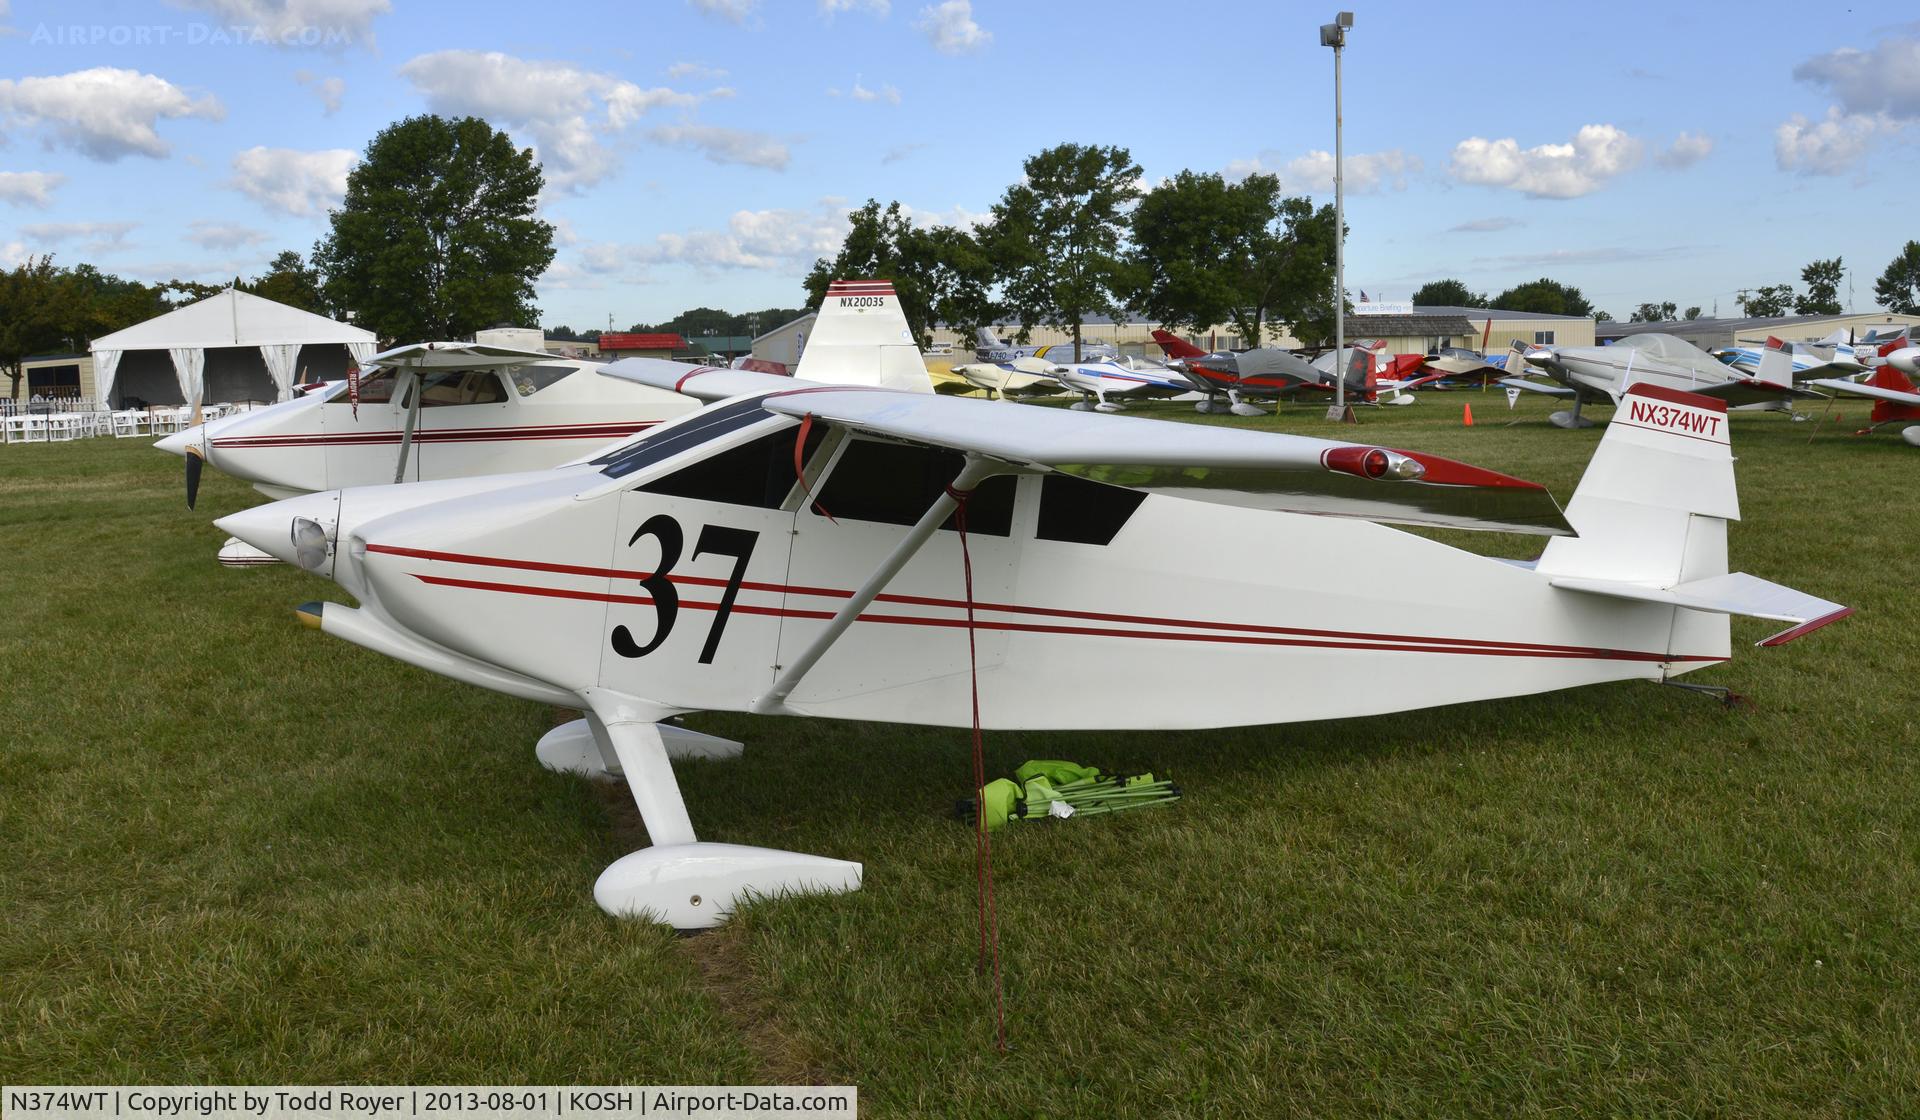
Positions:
{"x": 1565, "y": 419}
{"x": 679, "y": 880}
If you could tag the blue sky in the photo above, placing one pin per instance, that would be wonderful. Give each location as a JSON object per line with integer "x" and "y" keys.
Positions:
{"x": 705, "y": 151}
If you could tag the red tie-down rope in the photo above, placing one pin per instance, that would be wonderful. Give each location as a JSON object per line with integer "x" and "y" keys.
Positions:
{"x": 989, "y": 911}
{"x": 800, "y": 465}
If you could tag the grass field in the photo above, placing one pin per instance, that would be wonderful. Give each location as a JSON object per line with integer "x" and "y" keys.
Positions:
{"x": 234, "y": 850}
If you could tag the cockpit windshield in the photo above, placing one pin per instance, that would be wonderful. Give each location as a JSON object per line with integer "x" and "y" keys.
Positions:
{"x": 675, "y": 436}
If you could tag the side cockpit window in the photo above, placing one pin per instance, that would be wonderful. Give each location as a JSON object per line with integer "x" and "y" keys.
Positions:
{"x": 461, "y": 386}
{"x": 376, "y": 387}
{"x": 528, "y": 380}
{"x": 894, "y": 483}
{"x": 759, "y": 472}
{"x": 1081, "y": 512}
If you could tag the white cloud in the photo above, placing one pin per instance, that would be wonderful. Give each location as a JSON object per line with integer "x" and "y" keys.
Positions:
{"x": 328, "y": 90}
{"x": 859, "y": 92}
{"x": 293, "y": 181}
{"x": 1486, "y": 225}
{"x": 104, "y": 113}
{"x": 329, "y": 24}
{"x": 13, "y": 254}
{"x": 754, "y": 239}
{"x": 1688, "y": 149}
{"x": 222, "y": 235}
{"x": 727, "y": 145}
{"x": 879, "y": 8}
{"x": 1829, "y": 146}
{"x": 1884, "y": 81}
{"x": 733, "y": 11}
{"x": 1598, "y": 153}
{"x": 94, "y": 237}
{"x": 1313, "y": 172}
{"x": 550, "y": 101}
{"x": 697, "y": 70}
{"x": 29, "y": 188}
{"x": 950, "y": 28}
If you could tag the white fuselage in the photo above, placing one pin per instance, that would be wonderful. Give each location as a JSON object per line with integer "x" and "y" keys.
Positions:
{"x": 485, "y": 425}
{"x": 593, "y": 584}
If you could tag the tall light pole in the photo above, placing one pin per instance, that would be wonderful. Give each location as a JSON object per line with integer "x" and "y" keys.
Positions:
{"x": 1335, "y": 35}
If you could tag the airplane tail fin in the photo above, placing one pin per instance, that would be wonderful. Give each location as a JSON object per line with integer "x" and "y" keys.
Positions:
{"x": 986, "y": 339}
{"x": 1776, "y": 363}
{"x": 1175, "y": 346}
{"x": 861, "y": 338}
{"x": 1652, "y": 512}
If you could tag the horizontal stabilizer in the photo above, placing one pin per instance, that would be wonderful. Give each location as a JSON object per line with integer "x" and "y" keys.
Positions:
{"x": 1536, "y": 387}
{"x": 1734, "y": 593}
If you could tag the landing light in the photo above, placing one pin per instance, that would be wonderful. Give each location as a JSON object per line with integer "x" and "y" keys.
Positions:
{"x": 1374, "y": 462}
{"x": 309, "y": 544}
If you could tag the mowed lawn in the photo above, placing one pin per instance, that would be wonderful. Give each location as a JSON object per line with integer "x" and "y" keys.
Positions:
{"x": 235, "y": 850}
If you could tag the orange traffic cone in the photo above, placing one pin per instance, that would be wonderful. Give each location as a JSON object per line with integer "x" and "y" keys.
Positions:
{"x": 1467, "y": 416}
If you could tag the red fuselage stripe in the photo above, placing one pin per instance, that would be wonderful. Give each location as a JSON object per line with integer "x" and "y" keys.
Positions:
{"x": 439, "y": 435}
{"x": 1241, "y": 633}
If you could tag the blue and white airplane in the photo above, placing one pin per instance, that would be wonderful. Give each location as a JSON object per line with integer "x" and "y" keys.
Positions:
{"x": 1832, "y": 356}
{"x": 1099, "y": 379}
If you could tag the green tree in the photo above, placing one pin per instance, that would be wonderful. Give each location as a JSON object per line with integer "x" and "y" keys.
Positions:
{"x": 32, "y": 320}
{"x": 1768, "y": 302}
{"x": 1208, "y": 251}
{"x": 1056, "y": 238}
{"x": 289, "y": 280}
{"x": 437, "y": 235}
{"x": 1448, "y": 293}
{"x": 1544, "y": 296}
{"x": 1602, "y": 316}
{"x": 1822, "y": 279}
{"x": 1898, "y": 289}
{"x": 940, "y": 273}
{"x": 1654, "y": 313}
{"x": 1692, "y": 314}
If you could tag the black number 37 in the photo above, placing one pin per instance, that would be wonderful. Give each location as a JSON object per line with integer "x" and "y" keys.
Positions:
{"x": 717, "y": 540}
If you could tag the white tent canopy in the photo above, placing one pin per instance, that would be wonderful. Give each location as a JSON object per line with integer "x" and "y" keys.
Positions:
{"x": 231, "y": 318}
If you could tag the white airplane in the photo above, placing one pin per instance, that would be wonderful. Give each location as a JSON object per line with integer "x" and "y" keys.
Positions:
{"x": 1104, "y": 383}
{"x": 990, "y": 347}
{"x": 483, "y": 408}
{"x": 1891, "y": 387}
{"x": 1016, "y": 377}
{"x": 799, "y": 549}
{"x": 1606, "y": 373}
{"x": 1830, "y": 356}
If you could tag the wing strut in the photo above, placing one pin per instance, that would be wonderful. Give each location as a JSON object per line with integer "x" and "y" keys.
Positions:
{"x": 410, "y": 379}
{"x": 978, "y": 469}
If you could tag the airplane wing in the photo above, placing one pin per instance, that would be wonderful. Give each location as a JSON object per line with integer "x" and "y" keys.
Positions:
{"x": 1537, "y": 387}
{"x": 1863, "y": 389}
{"x": 458, "y": 355}
{"x": 705, "y": 383}
{"x": 1260, "y": 470}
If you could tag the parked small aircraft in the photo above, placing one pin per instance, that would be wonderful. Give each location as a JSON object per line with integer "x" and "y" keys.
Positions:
{"x": 992, "y": 348}
{"x": 1830, "y": 357}
{"x": 1123, "y": 378}
{"x": 1016, "y": 377}
{"x": 1605, "y": 373}
{"x": 1891, "y": 387}
{"x": 854, "y": 553}
{"x": 481, "y": 409}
